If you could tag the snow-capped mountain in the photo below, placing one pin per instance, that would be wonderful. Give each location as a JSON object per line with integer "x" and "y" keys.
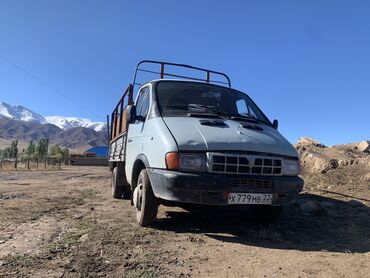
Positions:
{"x": 18, "y": 112}
{"x": 69, "y": 122}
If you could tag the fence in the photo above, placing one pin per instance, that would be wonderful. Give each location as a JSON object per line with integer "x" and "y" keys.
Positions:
{"x": 89, "y": 161}
{"x": 16, "y": 164}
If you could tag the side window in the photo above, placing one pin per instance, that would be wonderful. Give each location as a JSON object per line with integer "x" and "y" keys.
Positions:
{"x": 142, "y": 104}
{"x": 139, "y": 101}
{"x": 145, "y": 105}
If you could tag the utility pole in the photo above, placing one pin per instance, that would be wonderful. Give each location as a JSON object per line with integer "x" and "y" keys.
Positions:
{"x": 108, "y": 133}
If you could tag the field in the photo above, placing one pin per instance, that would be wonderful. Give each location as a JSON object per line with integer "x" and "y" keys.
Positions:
{"x": 65, "y": 224}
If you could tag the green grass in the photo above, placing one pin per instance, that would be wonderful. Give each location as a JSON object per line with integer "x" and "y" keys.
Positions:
{"x": 145, "y": 273}
{"x": 23, "y": 260}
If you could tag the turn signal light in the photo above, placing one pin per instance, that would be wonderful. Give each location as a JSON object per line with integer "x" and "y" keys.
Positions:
{"x": 172, "y": 161}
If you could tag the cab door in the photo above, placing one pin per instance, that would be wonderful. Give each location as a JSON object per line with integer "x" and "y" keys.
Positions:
{"x": 136, "y": 131}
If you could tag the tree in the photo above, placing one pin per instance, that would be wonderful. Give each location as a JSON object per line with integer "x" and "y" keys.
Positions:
{"x": 42, "y": 148}
{"x": 6, "y": 152}
{"x": 31, "y": 148}
{"x": 65, "y": 153}
{"x": 30, "y": 154}
{"x": 56, "y": 152}
{"x": 14, "y": 152}
{"x": 14, "y": 149}
{"x": 36, "y": 157}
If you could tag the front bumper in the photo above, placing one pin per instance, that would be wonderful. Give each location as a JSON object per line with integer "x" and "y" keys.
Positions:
{"x": 213, "y": 189}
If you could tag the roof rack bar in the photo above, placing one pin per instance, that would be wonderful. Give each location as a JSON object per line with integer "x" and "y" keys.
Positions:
{"x": 195, "y": 78}
{"x": 181, "y": 76}
{"x": 163, "y": 74}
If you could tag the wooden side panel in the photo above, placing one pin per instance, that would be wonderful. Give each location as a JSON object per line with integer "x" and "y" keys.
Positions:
{"x": 118, "y": 126}
{"x": 123, "y": 129}
{"x": 113, "y": 128}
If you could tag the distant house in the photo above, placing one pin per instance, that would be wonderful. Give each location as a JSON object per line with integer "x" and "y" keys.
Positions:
{"x": 99, "y": 151}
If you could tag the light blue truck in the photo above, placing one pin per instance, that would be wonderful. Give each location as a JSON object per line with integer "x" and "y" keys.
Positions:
{"x": 190, "y": 142}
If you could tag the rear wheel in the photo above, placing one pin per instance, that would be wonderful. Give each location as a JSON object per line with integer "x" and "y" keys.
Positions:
{"x": 266, "y": 213}
{"x": 120, "y": 188}
{"x": 146, "y": 204}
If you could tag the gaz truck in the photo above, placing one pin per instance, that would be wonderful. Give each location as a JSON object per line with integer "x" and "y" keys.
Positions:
{"x": 192, "y": 140}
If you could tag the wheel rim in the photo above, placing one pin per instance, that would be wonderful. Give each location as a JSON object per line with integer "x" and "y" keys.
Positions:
{"x": 140, "y": 193}
{"x": 113, "y": 181}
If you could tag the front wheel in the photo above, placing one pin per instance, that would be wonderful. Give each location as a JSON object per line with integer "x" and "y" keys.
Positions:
{"x": 146, "y": 204}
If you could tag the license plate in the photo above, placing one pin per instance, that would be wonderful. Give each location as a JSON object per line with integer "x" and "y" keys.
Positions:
{"x": 249, "y": 199}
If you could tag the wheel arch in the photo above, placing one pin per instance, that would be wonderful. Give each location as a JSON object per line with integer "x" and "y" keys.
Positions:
{"x": 114, "y": 164}
{"x": 141, "y": 162}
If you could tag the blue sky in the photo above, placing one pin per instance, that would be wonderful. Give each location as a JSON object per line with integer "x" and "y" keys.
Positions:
{"x": 306, "y": 63}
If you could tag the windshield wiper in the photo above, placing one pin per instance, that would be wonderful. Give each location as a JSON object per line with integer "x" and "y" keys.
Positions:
{"x": 197, "y": 108}
{"x": 214, "y": 110}
{"x": 244, "y": 118}
{"x": 177, "y": 107}
{"x": 209, "y": 108}
{"x": 196, "y": 111}
{"x": 248, "y": 118}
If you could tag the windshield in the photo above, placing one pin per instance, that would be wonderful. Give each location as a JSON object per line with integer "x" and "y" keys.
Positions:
{"x": 177, "y": 98}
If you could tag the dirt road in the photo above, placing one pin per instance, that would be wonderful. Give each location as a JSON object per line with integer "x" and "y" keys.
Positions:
{"x": 65, "y": 224}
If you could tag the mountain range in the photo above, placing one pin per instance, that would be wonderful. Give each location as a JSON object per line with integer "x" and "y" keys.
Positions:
{"x": 18, "y": 112}
{"x": 19, "y": 122}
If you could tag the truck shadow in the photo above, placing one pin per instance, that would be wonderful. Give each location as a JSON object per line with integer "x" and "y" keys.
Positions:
{"x": 336, "y": 226}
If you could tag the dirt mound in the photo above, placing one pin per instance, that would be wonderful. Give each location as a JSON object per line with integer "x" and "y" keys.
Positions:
{"x": 343, "y": 168}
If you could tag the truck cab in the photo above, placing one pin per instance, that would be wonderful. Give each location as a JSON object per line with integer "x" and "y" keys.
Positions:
{"x": 190, "y": 142}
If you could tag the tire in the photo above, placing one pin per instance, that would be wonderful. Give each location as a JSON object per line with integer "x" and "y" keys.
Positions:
{"x": 146, "y": 210}
{"x": 120, "y": 190}
{"x": 267, "y": 214}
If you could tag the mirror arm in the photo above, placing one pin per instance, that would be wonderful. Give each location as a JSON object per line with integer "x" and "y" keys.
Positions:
{"x": 275, "y": 124}
{"x": 139, "y": 118}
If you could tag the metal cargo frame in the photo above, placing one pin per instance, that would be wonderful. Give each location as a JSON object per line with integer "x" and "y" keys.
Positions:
{"x": 118, "y": 116}
{"x": 162, "y": 72}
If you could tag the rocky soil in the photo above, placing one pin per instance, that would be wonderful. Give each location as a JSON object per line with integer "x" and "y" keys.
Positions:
{"x": 344, "y": 169}
{"x": 65, "y": 224}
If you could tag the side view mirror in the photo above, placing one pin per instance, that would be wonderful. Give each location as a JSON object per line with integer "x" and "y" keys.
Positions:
{"x": 130, "y": 114}
{"x": 275, "y": 124}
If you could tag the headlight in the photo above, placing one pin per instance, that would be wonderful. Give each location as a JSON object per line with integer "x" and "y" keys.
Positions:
{"x": 185, "y": 161}
{"x": 290, "y": 167}
{"x": 190, "y": 162}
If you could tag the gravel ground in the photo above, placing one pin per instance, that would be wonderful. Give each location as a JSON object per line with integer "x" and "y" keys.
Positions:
{"x": 65, "y": 224}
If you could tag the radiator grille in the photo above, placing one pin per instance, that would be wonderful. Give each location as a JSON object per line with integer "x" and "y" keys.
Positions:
{"x": 252, "y": 183}
{"x": 244, "y": 164}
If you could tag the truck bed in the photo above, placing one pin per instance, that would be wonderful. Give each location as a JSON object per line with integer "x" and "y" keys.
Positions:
{"x": 117, "y": 148}
{"x": 118, "y": 127}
